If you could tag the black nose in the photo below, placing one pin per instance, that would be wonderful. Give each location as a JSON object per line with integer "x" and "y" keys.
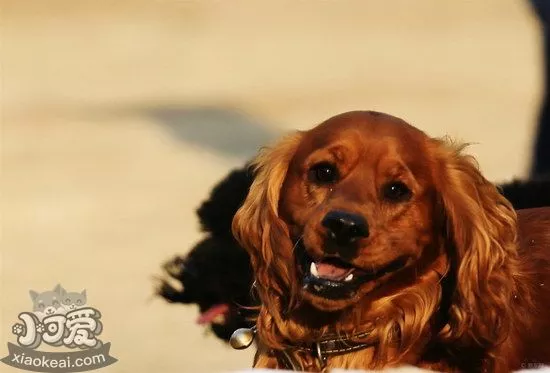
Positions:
{"x": 345, "y": 228}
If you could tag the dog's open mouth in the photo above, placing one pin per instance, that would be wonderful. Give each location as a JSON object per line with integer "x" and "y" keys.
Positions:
{"x": 333, "y": 278}
{"x": 334, "y": 269}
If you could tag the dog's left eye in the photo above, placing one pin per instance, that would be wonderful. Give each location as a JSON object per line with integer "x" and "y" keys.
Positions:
{"x": 396, "y": 191}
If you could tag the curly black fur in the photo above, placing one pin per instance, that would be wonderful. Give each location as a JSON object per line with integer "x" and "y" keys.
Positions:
{"x": 216, "y": 270}
{"x": 216, "y": 213}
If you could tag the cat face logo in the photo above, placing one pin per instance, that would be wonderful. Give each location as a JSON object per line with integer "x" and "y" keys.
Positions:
{"x": 74, "y": 322}
{"x": 59, "y": 318}
{"x": 56, "y": 302}
{"x": 73, "y": 300}
{"x": 45, "y": 304}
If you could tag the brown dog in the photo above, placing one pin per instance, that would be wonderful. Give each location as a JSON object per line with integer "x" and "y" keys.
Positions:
{"x": 374, "y": 245}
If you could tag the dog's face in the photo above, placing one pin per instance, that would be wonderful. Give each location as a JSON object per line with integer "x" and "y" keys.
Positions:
{"x": 368, "y": 214}
{"x": 358, "y": 200}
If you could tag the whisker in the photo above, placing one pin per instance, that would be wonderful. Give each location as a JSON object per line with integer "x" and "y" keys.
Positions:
{"x": 297, "y": 242}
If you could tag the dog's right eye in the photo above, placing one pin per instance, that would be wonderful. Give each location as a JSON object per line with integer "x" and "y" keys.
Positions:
{"x": 323, "y": 173}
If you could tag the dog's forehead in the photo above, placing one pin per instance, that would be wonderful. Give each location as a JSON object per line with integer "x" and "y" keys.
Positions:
{"x": 362, "y": 129}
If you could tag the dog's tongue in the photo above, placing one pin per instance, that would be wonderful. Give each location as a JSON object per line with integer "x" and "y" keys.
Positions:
{"x": 212, "y": 313}
{"x": 332, "y": 272}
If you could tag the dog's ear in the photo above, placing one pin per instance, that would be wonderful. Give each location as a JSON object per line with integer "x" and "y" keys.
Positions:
{"x": 481, "y": 237}
{"x": 258, "y": 227}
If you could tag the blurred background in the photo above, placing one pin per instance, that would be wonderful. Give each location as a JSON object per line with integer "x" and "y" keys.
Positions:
{"x": 119, "y": 116}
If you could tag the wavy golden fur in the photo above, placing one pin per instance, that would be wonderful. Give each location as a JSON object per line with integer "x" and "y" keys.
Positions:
{"x": 468, "y": 292}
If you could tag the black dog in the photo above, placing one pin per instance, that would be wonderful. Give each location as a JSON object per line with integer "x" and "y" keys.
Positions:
{"x": 216, "y": 274}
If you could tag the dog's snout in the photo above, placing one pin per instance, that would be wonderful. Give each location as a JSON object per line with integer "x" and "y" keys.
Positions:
{"x": 345, "y": 228}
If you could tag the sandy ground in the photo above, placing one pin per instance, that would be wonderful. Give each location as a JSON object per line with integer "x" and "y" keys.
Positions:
{"x": 118, "y": 116}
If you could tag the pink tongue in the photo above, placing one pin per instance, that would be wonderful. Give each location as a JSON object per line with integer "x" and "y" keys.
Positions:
{"x": 210, "y": 314}
{"x": 332, "y": 272}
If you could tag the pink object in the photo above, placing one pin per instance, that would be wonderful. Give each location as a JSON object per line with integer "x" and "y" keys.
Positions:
{"x": 210, "y": 314}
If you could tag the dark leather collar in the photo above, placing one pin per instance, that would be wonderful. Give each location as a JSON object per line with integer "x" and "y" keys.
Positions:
{"x": 321, "y": 350}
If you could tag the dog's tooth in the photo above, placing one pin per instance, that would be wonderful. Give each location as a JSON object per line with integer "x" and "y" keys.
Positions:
{"x": 313, "y": 269}
{"x": 349, "y": 277}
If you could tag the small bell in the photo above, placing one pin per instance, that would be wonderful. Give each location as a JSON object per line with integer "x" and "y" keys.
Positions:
{"x": 242, "y": 338}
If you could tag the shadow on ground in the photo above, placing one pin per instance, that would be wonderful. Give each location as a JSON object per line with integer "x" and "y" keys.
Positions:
{"x": 221, "y": 130}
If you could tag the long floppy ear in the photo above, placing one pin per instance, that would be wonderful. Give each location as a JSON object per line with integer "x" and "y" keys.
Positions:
{"x": 481, "y": 236}
{"x": 258, "y": 228}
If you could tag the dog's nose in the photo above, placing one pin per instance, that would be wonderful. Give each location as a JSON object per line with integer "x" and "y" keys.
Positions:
{"x": 345, "y": 228}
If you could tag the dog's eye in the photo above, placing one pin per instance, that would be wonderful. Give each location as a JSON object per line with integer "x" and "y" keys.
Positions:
{"x": 396, "y": 191}
{"x": 323, "y": 173}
